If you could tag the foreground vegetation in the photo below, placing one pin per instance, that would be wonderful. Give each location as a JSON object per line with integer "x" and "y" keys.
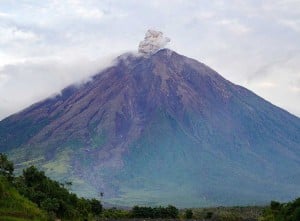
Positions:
{"x": 12, "y": 204}
{"x": 204, "y": 214}
{"x": 236, "y": 213}
{"x": 282, "y": 211}
{"x": 34, "y": 196}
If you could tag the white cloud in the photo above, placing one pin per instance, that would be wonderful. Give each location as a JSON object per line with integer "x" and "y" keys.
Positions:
{"x": 13, "y": 34}
{"x": 89, "y": 13}
{"x": 234, "y": 26}
{"x": 39, "y": 79}
{"x": 266, "y": 85}
{"x": 242, "y": 40}
{"x": 293, "y": 24}
{"x": 4, "y": 15}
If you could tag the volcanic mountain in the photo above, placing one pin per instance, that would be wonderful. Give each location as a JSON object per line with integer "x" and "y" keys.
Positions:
{"x": 160, "y": 129}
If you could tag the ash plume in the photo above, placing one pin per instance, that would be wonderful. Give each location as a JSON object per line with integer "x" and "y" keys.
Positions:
{"x": 153, "y": 41}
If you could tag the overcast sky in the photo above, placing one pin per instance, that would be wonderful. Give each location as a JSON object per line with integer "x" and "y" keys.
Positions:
{"x": 46, "y": 45}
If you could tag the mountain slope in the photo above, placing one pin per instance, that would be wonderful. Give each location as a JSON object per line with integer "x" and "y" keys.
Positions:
{"x": 161, "y": 129}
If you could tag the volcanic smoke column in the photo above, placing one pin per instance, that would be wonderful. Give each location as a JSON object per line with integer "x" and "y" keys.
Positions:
{"x": 153, "y": 41}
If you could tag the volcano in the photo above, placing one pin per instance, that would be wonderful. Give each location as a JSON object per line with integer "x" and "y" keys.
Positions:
{"x": 160, "y": 129}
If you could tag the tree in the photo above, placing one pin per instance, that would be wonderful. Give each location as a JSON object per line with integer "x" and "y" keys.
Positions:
{"x": 296, "y": 214}
{"x": 101, "y": 194}
{"x": 189, "y": 214}
{"x": 172, "y": 211}
{"x": 156, "y": 212}
{"x": 96, "y": 206}
{"x": 275, "y": 205}
{"x": 209, "y": 215}
{"x": 33, "y": 177}
{"x": 50, "y": 205}
{"x": 6, "y": 167}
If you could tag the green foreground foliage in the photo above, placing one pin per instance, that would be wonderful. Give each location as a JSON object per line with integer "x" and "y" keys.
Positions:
{"x": 236, "y": 213}
{"x": 6, "y": 167}
{"x": 114, "y": 213}
{"x": 168, "y": 212}
{"x": 142, "y": 212}
{"x": 33, "y": 195}
{"x": 188, "y": 214}
{"x": 53, "y": 197}
{"x": 282, "y": 211}
{"x": 13, "y": 206}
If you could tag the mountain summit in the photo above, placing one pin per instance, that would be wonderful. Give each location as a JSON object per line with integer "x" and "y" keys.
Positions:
{"x": 160, "y": 129}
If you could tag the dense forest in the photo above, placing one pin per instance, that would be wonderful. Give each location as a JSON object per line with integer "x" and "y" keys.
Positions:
{"x": 34, "y": 196}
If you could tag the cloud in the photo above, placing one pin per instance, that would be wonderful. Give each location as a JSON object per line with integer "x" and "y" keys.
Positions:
{"x": 38, "y": 79}
{"x": 90, "y": 13}
{"x": 4, "y": 15}
{"x": 266, "y": 84}
{"x": 279, "y": 82}
{"x": 14, "y": 34}
{"x": 292, "y": 24}
{"x": 242, "y": 40}
{"x": 234, "y": 26}
{"x": 285, "y": 63}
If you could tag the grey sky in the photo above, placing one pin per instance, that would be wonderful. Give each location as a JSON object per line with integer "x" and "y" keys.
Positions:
{"x": 46, "y": 45}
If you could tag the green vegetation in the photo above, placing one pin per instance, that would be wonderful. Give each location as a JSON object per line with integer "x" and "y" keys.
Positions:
{"x": 35, "y": 196}
{"x": 53, "y": 197}
{"x": 188, "y": 214}
{"x": 282, "y": 211}
{"x": 61, "y": 162}
{"x": 236, "y": 213}
{"x": 156, "y": 212}
{"x": 142, "y": 212}
{"x": 6, "y": 167}
{"x": 13, "y": 206}
{"x": 114, "y": 213}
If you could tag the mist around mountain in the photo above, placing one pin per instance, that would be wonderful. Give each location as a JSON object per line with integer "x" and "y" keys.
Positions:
{"x": 157, "y": 130}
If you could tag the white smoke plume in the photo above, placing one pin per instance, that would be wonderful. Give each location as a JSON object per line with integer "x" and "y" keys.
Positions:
{"x": 153, "y": 41}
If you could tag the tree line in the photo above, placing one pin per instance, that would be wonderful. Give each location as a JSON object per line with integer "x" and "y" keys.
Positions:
{"x": 155, "y": 212}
